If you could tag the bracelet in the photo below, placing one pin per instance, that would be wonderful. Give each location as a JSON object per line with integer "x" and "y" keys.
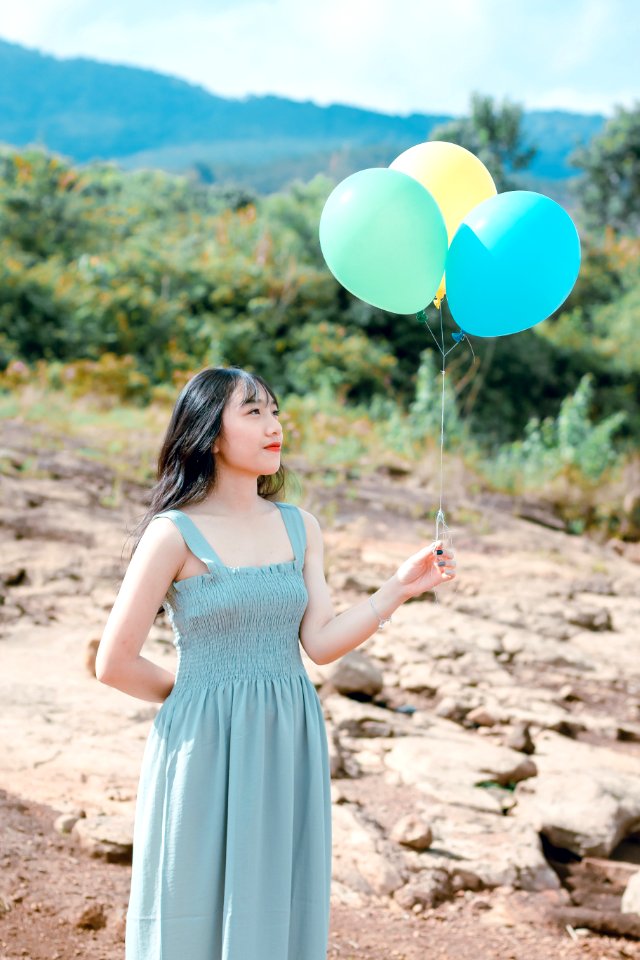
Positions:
{"x": 381, "y": 620}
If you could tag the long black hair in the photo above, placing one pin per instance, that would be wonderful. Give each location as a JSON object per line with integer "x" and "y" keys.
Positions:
{"x": 186, "y": 464}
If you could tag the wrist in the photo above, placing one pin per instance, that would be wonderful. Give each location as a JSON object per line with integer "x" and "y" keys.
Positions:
{"x": 396, "y": 590}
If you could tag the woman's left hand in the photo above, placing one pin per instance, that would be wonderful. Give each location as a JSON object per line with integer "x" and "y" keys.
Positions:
{"x": 426, "y": 569}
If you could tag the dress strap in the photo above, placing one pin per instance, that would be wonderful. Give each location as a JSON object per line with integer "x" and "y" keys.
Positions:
{"x": 295, "y": 528}
{"x": 193, "y": 538}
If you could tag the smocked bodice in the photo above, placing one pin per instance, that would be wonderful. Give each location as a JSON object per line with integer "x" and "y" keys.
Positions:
{"x": 237, "y": 623}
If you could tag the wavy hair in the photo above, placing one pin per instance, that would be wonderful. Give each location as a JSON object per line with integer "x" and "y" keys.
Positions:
{"x": 186, "y": 470}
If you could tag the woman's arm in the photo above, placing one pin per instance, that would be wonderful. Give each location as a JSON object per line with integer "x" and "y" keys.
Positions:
{"x": 155, "y": 564}
{"x": 326, "y": 637}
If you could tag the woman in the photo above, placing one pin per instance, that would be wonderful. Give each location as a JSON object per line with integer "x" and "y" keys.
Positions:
{"x": 232, "y": 835}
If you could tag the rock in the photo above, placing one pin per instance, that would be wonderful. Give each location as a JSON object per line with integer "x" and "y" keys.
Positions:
{"x": 412, "y": 831}
{"x": 598, "y": 584}
{"x": 482, "y": 717}
{"x": 354, "y": 718}
{"x": 488, "y": 643}
{"x": 631, "y": 897}
{"x": 478, "y": 849}
{"x": 357, "y": 861}
{"x": 608, "y": 922}
{"x": 107, "y": 837}
{"x": 579, "y": 800}
{"x": 451, "y": 709}
{"x": 355, "y": 673}
{"x": 16, "y": 578}
{"x": 394, "y": 467}
{"x": 513, "y": 642}
{"x": 630, "y": 551}
{"x": 629, "y": 732}
{"x": 589, "y": 618}
{"x": 519, "y": 738}
{"x": 449, "y": 764}
{"x": 66, "y": 821}
{"x": 567, "y": 692}
{"x": 537, "y": 511}
{"x": 431, "y": 888}
{"x": 92, "y": 917}
{"x": 419, "y": 678}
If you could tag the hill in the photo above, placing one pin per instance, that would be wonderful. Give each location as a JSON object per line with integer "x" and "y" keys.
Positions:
{"x": 88, "y": 110}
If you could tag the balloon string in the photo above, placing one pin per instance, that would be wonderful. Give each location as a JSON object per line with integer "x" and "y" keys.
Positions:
{"x": 440, "y": 517}
{"x": 442, "y": 530}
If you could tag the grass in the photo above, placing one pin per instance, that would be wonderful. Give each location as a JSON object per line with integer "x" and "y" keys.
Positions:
{"x": 337, "y": 443}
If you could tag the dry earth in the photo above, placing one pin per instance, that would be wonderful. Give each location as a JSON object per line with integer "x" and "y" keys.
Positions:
{"x": 69, "y": 743}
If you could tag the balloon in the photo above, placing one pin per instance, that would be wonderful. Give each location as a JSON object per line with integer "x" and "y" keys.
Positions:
{"x": 512, "y": 262}
{"x": 383, "y": 237}
{"x": 454, "y": 176}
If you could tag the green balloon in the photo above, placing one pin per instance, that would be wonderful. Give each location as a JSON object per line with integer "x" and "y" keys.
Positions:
{"x": 384, "y": 238}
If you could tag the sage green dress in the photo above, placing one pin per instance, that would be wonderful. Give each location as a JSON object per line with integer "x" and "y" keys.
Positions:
{"x": 232, "y": 835}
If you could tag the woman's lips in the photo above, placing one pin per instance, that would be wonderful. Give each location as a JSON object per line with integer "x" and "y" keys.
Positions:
{"x": 274, "y": 446}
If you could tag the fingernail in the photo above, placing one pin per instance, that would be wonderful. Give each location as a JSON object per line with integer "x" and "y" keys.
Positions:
{"x": 442, "y": 563}
{"x": 439, "y": 551}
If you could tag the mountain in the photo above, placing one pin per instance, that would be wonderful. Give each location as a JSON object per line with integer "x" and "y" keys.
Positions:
{"x": 88, "y": 111}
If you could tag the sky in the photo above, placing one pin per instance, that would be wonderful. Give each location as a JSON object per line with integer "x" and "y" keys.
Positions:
{"x": 395, "y": 56}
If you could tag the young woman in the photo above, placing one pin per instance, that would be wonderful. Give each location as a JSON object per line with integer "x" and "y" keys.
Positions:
{"x": 232, "y": 835}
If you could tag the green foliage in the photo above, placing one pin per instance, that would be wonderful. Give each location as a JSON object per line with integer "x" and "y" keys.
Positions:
{"x": 554, "y": 445}
{"x": 610, "y": 186}
{"x": 349, "y": 363}
{"x": 176, "y": 275}
{"x": 598, "y": 328}
{"x": 493, "y": 132}
{"x": 425, "y": 411}
{"x": 44, "y": 205}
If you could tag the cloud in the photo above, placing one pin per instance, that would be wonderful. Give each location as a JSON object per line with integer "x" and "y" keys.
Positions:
{"x": 391, "y": 55}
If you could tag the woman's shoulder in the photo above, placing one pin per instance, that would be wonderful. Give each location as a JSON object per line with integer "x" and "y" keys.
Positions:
{"x": 311, "y": 523}
{"x": 294, "y": 506}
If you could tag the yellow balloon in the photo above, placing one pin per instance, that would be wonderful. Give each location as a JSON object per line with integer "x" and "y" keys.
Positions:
{"x": 454, "y": 177}
{"x": 440, "y": 292}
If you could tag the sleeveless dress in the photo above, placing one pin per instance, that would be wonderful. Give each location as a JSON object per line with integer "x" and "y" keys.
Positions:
{"x": 232, "y": 830}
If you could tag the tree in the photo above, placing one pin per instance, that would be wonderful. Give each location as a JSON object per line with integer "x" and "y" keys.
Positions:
{"x": 610, "y": 186}
{"x": 45, "y": 205}
{"x": 494, "y": 134}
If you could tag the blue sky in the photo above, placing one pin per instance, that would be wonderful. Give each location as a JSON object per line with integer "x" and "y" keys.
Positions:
{"x": 396, "y": 56}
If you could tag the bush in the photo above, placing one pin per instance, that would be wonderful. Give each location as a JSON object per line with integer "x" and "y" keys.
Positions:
{"x": 570, "y": 443}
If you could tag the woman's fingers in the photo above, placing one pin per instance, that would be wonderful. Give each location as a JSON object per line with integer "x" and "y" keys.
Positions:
{"x": 431, "y": 548}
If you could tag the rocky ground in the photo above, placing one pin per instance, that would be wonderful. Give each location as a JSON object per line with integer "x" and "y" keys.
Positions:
{"x": 485, "y": 748}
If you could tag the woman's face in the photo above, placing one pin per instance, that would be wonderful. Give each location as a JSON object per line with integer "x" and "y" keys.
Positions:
{"x": 248, "y": 430}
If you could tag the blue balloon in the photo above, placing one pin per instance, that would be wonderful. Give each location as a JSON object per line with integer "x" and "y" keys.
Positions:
{"x": 513, "y": 260}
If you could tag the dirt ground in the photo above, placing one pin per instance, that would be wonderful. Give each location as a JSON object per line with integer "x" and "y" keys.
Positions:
{"x": 58, "y": 903}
